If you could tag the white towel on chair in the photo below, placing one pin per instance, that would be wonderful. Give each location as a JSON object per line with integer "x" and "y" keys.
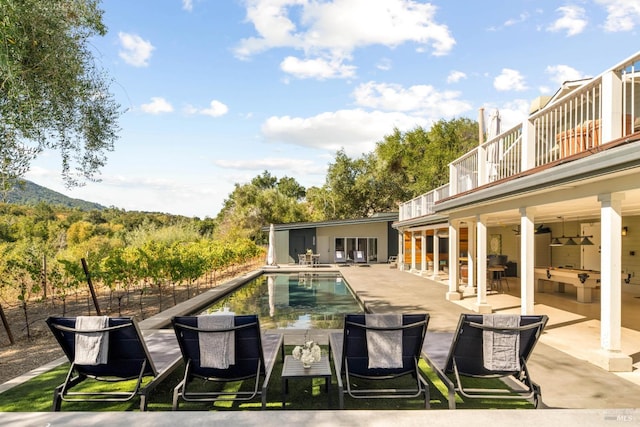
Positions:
{"x": 501, "y": 349}
{"x": 217, "y": 350}
{"x": 384, "y": 348}
{"x": 91, "y": 348}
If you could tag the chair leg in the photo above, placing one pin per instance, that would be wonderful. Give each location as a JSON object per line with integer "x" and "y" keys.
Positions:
{"x": 176, "y": 395}
{"x": 57, "y": 399}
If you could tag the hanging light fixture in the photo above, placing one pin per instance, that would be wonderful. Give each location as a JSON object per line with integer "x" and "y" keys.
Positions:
{"x": 585, "y": 239}
{"x": 556, "y": 241}
{"x": 586, "y": 242}
{"x": 570, "y": 242}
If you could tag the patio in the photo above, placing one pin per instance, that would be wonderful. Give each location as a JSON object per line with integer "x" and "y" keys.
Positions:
{"x": 591, "y": 398}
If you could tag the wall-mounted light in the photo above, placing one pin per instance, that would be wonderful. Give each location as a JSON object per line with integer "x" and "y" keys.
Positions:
{"x": 624, "y": 231}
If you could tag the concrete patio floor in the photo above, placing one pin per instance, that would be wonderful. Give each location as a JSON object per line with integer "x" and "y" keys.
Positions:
{"x": 575, "y": 391}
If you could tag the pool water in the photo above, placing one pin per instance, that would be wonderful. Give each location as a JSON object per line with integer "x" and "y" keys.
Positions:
{"x": 292, "y": 301}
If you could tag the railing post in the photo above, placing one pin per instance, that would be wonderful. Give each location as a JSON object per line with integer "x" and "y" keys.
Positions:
{"x": 453, "y": 180}
{"x": 483, "y": 176}
{"x": 611, "y": 120}
{"x": 528, "y": 146}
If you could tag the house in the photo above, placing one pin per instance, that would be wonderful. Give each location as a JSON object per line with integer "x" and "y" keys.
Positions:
{"x": 374, "y": 236}
{"x": 567, "y": 174}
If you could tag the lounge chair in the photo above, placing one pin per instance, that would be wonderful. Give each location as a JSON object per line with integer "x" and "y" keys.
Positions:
{"x": 130, "y": 356}
{"x": 467, "y": 353}
{"x": 355, "y": 356}
{"x": 339, "y": 258}
{"x": 359, "y": 258}
{"x": 255, "y": 356}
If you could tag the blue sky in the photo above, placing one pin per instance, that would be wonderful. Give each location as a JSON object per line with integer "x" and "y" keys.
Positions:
{"x": 217, "y": 91}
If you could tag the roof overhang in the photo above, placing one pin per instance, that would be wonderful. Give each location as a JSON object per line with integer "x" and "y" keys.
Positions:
{"x": 382, "y": 217}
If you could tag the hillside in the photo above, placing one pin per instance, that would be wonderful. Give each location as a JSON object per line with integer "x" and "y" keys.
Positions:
{"x": 32, "y": 194}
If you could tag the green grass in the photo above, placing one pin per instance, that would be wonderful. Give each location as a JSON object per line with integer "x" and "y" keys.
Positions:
{"x": 36, "y": 395}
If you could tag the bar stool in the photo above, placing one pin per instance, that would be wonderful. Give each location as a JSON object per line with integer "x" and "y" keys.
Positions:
{"x": 498, "y": 276}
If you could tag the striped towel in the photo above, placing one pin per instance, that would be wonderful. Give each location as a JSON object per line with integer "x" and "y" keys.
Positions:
{"x": 501, "y": 349}
{"x": 384, "y": 348}
{"x": 217, "y": 350}
{"x": 91, "y": 348}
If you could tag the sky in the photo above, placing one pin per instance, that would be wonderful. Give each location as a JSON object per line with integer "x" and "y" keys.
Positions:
{"x": 214, "y": 92}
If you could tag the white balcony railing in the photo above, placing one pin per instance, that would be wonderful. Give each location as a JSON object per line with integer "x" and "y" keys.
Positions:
{"x": 601, "y": 110}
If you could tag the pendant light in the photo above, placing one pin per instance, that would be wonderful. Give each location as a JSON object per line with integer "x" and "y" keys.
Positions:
{"x": 586, "y": 242}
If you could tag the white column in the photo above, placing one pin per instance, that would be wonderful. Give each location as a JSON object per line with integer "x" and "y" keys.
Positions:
{"x": 454, "y": 264}
{"x": 527, "y": 251}
{"x": 528, "y": 148}
{"x": 436, "y": 255}
{"x": 611, "y": 121}
{"x": 481, "y": 305}
{"x": 482, "y": 165}
{"x": 423, "y": 251}
{"x": 471, "y": 260}
{"x": 610, "y": 356}
{"x": 413, "y": 250}
{"x": 401, "y": 249}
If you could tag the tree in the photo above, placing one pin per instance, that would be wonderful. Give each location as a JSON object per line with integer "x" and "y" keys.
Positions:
{"x": 15, "y": 159}
{"x": 52, "y": 95}
{"x": 417, "y": 161}
{"x": 265, "y": 200}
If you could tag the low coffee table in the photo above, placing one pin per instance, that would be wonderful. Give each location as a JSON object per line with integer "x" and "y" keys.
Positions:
{"x": 293, "y": 369}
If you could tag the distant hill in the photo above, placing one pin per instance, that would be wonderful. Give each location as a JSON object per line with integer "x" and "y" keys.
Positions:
{"x": 32, "y": 194}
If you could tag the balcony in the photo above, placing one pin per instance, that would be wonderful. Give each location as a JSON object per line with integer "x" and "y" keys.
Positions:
{"x": 576, "y": 122}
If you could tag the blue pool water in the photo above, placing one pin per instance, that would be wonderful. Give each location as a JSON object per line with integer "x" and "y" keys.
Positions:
{"x": 292, "y": 301}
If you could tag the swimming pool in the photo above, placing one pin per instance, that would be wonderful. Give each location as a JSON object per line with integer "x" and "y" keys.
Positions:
{"x": 292, "y": 301}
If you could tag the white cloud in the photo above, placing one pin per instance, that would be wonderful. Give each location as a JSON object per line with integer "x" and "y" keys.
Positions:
{"x": 563, "y": 73}
{"x": 423, "y": 100}
{"x": 316, "y": 68}
{"x": 187, "y": 5}
{"x": 215, "y": 109}
{"x": 623, "y": 15}
{"x": 157, "y": 105}
{"x": 513, "y": 21}
{"x": 356, "y": 131}
{"x": 509, "y": 80}
{"x": 384, "y": 64}
{"x": 135, "y": 51}
{"x": 313, "y": 28}
{"x": 456, "y": 76}
{"x": 284, "y": 165}
{"x": 572, "y": 20}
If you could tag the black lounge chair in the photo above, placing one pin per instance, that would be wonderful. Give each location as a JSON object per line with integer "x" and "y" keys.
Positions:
{"x": 454, "y": 356}
{"x": 349, "y": 350}
{"x": 255, "y": 356}
{"x": 130, "y": 356}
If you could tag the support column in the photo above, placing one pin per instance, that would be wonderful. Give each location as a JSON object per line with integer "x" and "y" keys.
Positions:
{"x": 436, "y": 255}
{"x": 610, "y": 356}
{"x": 413, "y": 251}
{"x": 472, "y": 263}
{"x": 401, "y": 250}
{"x": 481, "y": 305}
{"x": 423, "y": 252}
{"x": 527, "y": 251}
{"x": 454, "y": 264}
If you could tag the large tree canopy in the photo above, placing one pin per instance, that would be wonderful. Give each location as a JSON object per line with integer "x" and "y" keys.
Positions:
{"x": 52, "y": 95}
{"x": 403, "y": 165}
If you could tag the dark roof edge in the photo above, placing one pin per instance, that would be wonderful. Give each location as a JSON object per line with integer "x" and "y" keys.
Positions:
{"x": 381, "y": 217}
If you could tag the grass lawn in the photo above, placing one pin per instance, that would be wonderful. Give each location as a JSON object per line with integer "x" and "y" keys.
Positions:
{"x": 36, "y": 395}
